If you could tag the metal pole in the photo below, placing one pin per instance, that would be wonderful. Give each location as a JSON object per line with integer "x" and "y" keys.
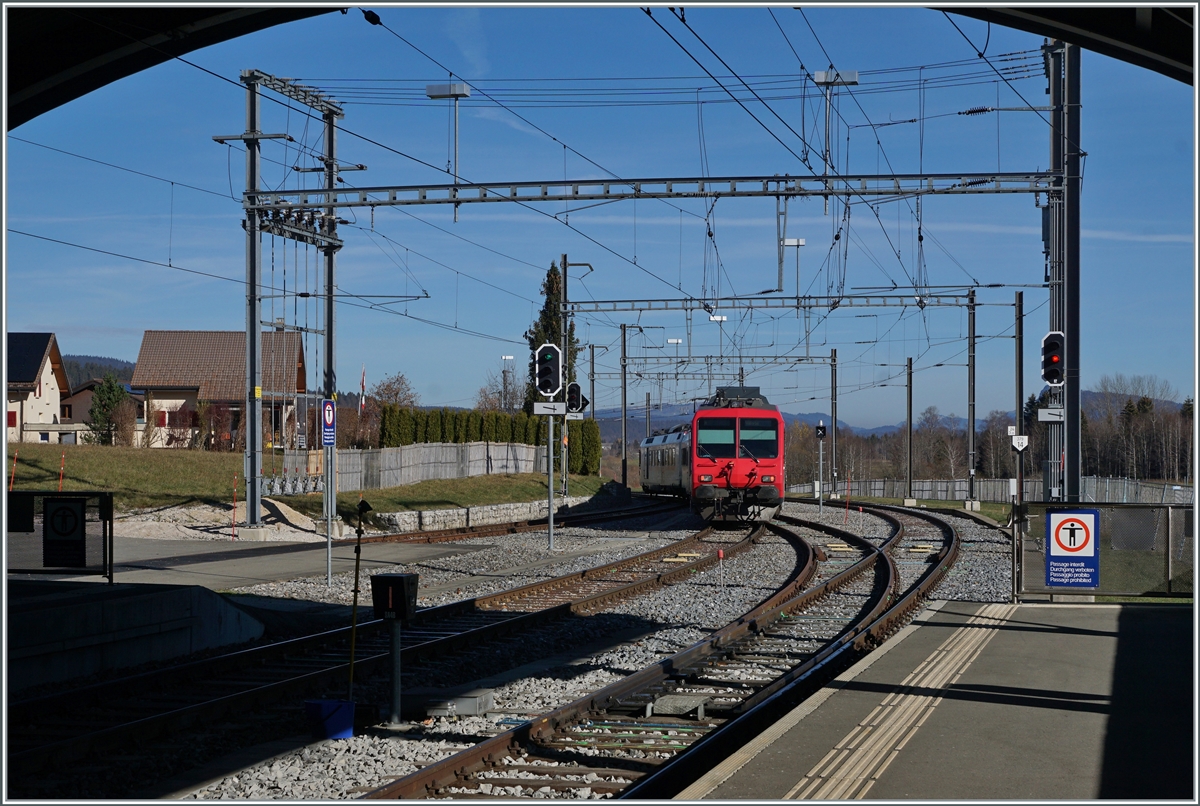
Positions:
{"x": 647, "y": 415}
{"x": 456, "y": 158}
{"x": 825, "y": 172}
{"x": 395, "y": 631}
{"x": 624, "y": 437}
{"x": 820, "y": 477}
{"x": 568, "y": 370}
{"x": 252, "y": 419}
{"x": 330, "y": 346}
{"x": 550, "y": 474}
{"x": 833, "y": 468}
{"x": 1055, "y": 441}
{"x": 971, "y": 394}
{"x": 909, "y": 475}
{"x": 592, "y": 380}
{"x": 1072, "y": 464}
{"x": 354, "y": 607}
{"x": 1018, "y": 517}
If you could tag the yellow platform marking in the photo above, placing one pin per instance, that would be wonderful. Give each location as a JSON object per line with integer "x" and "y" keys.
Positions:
{"x": 853, "y": 766}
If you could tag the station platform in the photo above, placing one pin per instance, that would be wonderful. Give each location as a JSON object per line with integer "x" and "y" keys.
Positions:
{"x": 992, "y": 702}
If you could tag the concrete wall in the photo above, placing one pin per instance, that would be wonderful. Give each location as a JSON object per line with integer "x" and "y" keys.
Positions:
{"x": 430, "y": 520}
{"x": 63, "y": 630}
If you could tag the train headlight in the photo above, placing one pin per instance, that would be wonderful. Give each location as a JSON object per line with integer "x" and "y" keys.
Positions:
{"x": 768, "y": 479}
{"x": 706, "y": 478}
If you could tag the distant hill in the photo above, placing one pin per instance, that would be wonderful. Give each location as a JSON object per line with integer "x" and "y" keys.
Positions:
{"x": 82, "y": 368}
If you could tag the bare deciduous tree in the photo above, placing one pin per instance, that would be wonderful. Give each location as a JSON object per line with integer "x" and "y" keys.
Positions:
{"x": 396, "y": 389}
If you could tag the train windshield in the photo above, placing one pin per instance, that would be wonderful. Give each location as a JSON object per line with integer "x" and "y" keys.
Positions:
{"x": 714, "y": 438}
{"x": 759, "y": 439}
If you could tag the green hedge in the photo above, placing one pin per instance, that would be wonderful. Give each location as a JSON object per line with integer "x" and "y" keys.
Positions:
{"x": 405, "y": 426}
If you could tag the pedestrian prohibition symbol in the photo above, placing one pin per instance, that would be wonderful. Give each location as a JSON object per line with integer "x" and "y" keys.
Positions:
{"x": 1072, "y": 556}
{"x": 328, "y": 423}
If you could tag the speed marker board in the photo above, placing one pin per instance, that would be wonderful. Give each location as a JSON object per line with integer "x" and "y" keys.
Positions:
{"x": 1072, "y": 548}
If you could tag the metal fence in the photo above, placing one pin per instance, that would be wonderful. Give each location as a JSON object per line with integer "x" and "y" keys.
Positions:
{"x": 393, "y": 467}
{"x": 60, "y": 533}
{"x": 1093, "y": 489}
{"x": 1145, "y": 550}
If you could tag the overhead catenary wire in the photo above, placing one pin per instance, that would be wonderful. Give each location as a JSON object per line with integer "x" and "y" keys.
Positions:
{"x": 241, "y": 281}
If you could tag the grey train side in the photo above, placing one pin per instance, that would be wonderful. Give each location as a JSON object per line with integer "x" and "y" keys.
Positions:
{"x": 666, "y": 462}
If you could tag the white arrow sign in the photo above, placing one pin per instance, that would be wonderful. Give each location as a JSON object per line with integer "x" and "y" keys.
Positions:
{"x": 1020, "y": 443}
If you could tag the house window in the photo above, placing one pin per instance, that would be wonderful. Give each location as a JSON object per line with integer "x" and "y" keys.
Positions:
{"x": 12, "y": 419}
{"x": 65, "y": 411}
{"x": 39, "y": 391}
{"x": 44, "y": 436}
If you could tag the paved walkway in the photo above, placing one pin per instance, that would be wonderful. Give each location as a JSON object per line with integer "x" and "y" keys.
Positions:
{"x": 1031, "y": 702}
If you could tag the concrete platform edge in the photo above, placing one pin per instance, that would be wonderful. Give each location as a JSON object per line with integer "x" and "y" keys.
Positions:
{"x": 722, "y": 772}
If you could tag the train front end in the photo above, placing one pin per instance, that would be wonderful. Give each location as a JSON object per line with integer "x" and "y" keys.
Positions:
{"x": 737, "y": 457}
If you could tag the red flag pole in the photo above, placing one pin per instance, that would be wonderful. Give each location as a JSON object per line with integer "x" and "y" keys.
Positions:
{"x": 16, "y": 453}
{"x": 61, "y": 468}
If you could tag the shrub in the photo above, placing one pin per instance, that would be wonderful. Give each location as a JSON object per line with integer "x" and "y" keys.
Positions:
{"x": 520, "y": 425}
{"x": 433, "y": 427}
{"x": 591, "y": 447}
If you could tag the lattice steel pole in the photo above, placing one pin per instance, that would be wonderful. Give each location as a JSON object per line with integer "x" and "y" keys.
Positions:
{"x": 252, "y": 419}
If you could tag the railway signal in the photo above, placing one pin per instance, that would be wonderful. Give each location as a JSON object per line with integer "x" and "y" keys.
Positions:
{"x": 549, "y": 370}
{"x": 575, "y": 399}
{"x": 1052, "y": 357}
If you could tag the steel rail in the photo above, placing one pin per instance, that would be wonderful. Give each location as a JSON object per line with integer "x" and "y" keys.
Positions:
{"x": 515, "y": 527}
{"x": 747, "y": 718}
{"x": 288, "y": 652}
{"x": 765, "y": 707}
{"x": 454, "y": 768}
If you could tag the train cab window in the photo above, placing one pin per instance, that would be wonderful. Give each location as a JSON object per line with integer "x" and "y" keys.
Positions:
{"x": 715, "y": 438}
{"x": 759, "y": 438}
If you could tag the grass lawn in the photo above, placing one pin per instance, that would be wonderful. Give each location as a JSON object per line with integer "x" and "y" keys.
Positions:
{"x": 165, "y": 478}
{"x": 139, "y": 478}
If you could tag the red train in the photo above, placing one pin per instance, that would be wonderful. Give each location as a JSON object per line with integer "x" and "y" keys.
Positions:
{"x": 728, "y": 462}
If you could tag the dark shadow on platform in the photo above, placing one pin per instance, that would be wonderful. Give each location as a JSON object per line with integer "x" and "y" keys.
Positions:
{"x": 1002, "y": 695}
{"x": 1149, "y": 749}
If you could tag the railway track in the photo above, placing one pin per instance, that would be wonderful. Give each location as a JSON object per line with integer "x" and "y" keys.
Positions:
{"x": 648, "y": 507}
{"x": 650, "y": 734}
{"x": 51, "y": 730}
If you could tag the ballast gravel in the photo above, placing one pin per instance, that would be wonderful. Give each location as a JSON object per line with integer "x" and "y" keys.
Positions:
{"x": 670, "y": 619}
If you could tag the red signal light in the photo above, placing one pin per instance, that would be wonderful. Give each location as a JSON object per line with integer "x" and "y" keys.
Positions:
{"x": 1054, "y": 359}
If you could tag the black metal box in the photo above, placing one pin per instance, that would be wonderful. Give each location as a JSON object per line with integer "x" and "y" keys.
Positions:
{"x": 394, "y": 595}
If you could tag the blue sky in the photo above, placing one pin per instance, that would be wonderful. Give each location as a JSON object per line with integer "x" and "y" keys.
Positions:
{"x": 553, "y": 66}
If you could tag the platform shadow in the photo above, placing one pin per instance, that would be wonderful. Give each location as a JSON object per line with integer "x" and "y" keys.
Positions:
{"x": 1149, "y": 747}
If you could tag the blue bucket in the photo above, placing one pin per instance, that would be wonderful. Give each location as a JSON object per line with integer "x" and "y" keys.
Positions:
{"x": 330, "y": 719}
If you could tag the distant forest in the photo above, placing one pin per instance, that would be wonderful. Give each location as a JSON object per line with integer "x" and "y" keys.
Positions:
{"x": 82, "y": 368}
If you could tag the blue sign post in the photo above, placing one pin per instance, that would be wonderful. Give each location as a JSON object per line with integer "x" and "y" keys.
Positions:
{"x": 1073, "y": 548}
{"x": 328, "y": 424}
